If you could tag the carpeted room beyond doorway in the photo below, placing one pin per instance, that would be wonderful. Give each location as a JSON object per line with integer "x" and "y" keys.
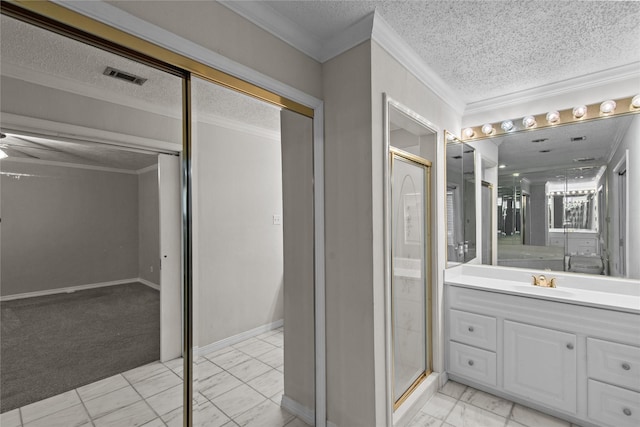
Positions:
{"x": 55, "y": 343}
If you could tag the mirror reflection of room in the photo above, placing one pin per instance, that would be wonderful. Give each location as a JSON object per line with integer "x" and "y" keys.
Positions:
{"x": 562, "y": 195}
{"x": 461, "y": 201}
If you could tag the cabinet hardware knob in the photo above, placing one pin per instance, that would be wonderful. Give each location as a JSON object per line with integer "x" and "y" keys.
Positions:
{"x": 627, "y": 412}
{"x": 570, "y": 346}
{"x": 470, "y": 362}
{"x": 626, "y": 366}
{"x": 470, "y": 328}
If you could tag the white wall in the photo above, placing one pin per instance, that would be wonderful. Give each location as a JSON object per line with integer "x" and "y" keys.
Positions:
{"x": 238, "y": 189}
{"x": 65, "y": 227}
{"x": 149, "y": 226}
{"x": 630, "y": 142}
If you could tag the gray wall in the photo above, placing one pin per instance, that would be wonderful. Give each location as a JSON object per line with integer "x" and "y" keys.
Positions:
{"x": 149, "y": 227}
{"x": 238, "y": 249}
{"x": 298, "y": 222}
{"x": 349, "y": 240}
{"x": 66, "y": 227}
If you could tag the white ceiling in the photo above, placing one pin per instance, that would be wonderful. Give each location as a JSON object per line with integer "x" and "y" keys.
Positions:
{"x": 481, "y": 49}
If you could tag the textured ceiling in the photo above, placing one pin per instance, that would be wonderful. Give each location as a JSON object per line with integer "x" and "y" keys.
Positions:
{"x": 51, "y": 59}
{"x": 49, "y": 54}
{"x": 101, "y": 155}
{"x": 485, "y": 49}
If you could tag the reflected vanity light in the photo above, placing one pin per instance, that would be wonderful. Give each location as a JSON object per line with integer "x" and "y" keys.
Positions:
{"x": 553, "y": 117}
{"x": 487, "y": 129}
{"x": 507, "y": 125}
{"x": 580, "y": 111}
{"x": 608, "y": 107}
{"x": 529, "y": 122}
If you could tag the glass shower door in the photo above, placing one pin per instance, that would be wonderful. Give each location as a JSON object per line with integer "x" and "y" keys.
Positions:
{"x": 410, "y": 271}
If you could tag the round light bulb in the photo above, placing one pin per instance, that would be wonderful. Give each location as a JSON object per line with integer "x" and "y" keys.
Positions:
{"x": 553, "y": 117}
{"x": 468, "y": 133}
{"x": 580, "y": 111}
{"x": 502, "y": 166}
{"x": 635, "y": 102}
{"x": 487, "y": 129}
{"x": 507, "y": 125}
{"x": 529, "y": 121}
{"x": 608, "y": 107}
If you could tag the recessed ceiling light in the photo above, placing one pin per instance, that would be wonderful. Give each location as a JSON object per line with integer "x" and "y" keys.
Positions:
{"x": 502, "y": 166}
{"x": 516, "y": 174}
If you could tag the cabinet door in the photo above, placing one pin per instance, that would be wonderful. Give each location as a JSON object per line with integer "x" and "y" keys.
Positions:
{"x": 540, "y": 365}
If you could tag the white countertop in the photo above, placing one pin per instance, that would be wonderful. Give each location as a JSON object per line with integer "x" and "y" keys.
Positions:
{"x": 572, "y": 288}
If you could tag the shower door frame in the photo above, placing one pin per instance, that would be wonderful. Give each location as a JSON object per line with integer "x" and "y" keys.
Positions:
{"x": 428, "y": 247}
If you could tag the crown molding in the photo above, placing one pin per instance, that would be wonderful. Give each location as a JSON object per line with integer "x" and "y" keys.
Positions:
{"x": 582, "y": 83}
{"x": 277, "y": 25}
{"x": 390, "y": 41}
{"x": 350, "y": 37}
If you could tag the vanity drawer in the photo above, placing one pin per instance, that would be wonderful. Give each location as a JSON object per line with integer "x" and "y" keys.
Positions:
{"x": 613, "y": 406}
{"x": 614, "y": 363}
{"x": 472, "y": 329}
{"x": 473, "y": 363}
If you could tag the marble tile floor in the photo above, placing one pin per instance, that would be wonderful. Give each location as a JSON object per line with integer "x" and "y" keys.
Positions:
{"x": 238, "y": 386}
{"x": 456, "y": 405}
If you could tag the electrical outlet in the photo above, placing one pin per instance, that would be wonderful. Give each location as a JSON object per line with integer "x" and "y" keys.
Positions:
{"x": 277, "y": 219}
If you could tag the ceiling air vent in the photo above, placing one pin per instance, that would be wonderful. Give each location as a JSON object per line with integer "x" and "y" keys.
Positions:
{"x": 121, "y": 75}
{"x": 540, "y": 140}
{"x": 578, "y": 138}
{"x": 584, "y": 159}
{"x": 457, "y": 157}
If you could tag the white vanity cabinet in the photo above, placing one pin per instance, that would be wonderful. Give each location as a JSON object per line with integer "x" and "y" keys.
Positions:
{"x": 540, "y": 363}
{"x": 573, "y": 361}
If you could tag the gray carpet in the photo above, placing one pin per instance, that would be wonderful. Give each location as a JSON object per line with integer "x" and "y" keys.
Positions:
{"x": 55, "y": 343}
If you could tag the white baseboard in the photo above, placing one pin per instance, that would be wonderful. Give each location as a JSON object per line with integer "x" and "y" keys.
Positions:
{"x": 330, "y": 424}
{"x": 234, "y": 339}
{"x": 67, "y": 290}
{"x": 307, "y": 415}
{"x": 148, "y": 283}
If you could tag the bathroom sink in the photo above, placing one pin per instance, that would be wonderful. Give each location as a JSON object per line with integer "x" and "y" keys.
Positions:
{"x": 538, "y": 290}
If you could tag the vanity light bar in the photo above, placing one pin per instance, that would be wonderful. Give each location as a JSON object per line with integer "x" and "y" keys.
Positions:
{"x": 608, "y": 108}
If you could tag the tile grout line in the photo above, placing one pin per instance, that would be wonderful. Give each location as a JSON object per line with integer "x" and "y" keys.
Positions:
{"x": 513, "y": 405}
{"x": 142, "y": 397}
{"x": 84, "y": 406}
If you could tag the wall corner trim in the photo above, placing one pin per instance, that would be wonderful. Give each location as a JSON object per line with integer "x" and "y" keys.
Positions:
{"x": 305, "y": 414}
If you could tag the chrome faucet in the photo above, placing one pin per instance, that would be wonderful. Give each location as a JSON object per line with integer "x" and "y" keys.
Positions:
{"x": 542, "y": 281}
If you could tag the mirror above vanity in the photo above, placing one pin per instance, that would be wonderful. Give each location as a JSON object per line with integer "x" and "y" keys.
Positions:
{"x": 563, "y": 199}
{"x": 461, "y": 200}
